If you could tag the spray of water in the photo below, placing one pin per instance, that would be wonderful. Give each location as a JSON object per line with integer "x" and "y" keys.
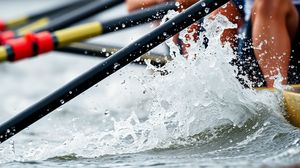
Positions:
{"x": 192, "y": 95}
{"x": 186, "y": 97}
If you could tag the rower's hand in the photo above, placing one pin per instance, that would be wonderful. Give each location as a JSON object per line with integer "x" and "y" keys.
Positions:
{"x": 133, "y": 5}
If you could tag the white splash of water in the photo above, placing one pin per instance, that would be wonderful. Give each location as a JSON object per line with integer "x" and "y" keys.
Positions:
{"x": 197, "y": 94}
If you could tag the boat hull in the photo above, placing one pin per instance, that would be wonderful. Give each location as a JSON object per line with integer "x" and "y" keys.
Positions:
{"x": 292, "y": 105}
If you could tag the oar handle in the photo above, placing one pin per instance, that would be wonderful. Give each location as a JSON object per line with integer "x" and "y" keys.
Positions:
{"x": 107, "y": 67}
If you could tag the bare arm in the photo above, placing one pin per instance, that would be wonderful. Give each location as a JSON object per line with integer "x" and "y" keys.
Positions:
{"x": 230, "y": 11}
{"x": 234, "y": 16}
{"x": 274, "y": 27}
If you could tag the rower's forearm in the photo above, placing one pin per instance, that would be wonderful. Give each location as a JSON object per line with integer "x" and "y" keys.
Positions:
{"x": 234, "y": 16}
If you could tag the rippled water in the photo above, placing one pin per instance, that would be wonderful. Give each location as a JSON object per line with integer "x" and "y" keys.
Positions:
{"x": 196, "y": 116}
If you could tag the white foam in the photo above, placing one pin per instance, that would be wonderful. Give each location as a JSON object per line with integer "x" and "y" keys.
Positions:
{"x": 198, "y": 94}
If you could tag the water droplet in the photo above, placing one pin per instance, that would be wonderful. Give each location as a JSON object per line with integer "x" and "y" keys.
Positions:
{"x": 206, "y": 10}
{"x": 62, "y": 101}
{"x": 107, "y": 112}
{"x": 123, "y": 25}
{"x": 240, "y": 6}
{"x": 103, "y": 49}
{"x": 116, "y": 65}
{"x": 203, "y": 4}
{"x": 59, "y": 109}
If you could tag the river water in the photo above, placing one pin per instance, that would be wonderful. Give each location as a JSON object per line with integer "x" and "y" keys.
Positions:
{"x": 196, "y": 116}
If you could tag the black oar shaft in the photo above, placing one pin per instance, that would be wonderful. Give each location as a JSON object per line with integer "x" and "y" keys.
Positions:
{"x": 104, "y": 51}
{"x": 107, "y": 67}
{"x": 43, "y": 21}
{"x": 136, "y": 18}
{"x": 88, "y": 10}
{"x": 66, "y": 36}
{"x": 80, "y": 14}
{"x": 53, "y": 11}
{"x": 11, "y": 24}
